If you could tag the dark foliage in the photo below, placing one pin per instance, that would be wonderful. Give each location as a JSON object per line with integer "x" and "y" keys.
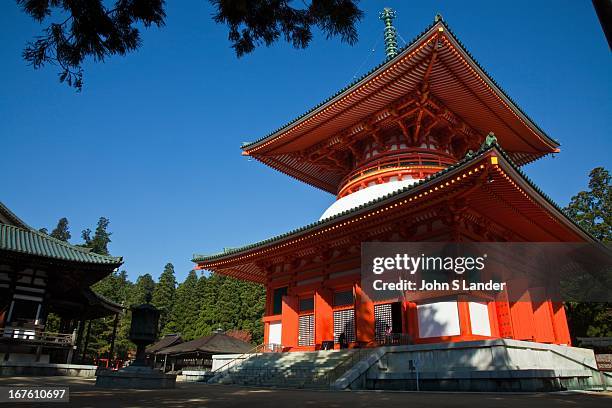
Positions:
{"x": 591, "y": 209}
{"x": 61, "y": 231}
{"x": 199, "y": 307}
{"x": 252, "y": 23}
{"x": 82, "y": 29}
{"x": 101, "y": 239}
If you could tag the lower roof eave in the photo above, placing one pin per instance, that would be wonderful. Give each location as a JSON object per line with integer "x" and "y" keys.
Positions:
{"x": 212, "y": 262}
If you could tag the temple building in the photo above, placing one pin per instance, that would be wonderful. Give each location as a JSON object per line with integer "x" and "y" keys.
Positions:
{"x": 41, "y": 275}
{"x": 426, "y": 147}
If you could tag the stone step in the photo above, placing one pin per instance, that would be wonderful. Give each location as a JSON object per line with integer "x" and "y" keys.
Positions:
{"x": 291, "y": 370}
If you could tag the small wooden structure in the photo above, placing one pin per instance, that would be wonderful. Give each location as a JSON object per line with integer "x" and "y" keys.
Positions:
{"x": 197, "y": 354}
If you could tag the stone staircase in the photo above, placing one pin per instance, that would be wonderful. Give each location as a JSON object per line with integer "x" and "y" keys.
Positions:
{"x": 312, "y": 369}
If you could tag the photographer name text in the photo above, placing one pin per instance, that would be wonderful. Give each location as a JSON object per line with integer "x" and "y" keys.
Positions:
{"x": 435, "y": 285}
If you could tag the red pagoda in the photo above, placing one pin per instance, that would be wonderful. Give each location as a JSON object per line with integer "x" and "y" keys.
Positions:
{"x": 413, "y": 152}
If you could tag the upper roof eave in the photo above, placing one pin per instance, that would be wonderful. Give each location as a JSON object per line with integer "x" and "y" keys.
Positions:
{"x": 247, "y": 147}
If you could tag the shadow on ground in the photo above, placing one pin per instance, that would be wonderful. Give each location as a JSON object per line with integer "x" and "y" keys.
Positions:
{"x": 84, "y": 394}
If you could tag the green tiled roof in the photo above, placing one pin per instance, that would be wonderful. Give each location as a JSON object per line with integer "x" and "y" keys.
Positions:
{"x": 400, "y": 53}
{"x": 31, "y": 242}
{"x": 469, "y": 158}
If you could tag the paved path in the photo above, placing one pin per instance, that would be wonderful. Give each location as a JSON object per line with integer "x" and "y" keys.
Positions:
{"x": 83, "y": 394}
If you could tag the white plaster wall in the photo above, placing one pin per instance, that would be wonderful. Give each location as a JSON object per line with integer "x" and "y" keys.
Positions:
{"x": 275, "y": 333}
{"x": 479, "y": 318}
{"x": 438, "y": 319}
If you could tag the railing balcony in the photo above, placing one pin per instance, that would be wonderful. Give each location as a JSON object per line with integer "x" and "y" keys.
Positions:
{"x": 411, "y": 160}
{"x": 36, "y": 337}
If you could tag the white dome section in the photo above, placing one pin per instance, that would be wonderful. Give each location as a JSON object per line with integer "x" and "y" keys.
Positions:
{"x": 364, "y": 196}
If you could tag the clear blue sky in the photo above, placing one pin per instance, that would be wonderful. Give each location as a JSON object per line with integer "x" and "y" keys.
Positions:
{"x": 152, "y": 142}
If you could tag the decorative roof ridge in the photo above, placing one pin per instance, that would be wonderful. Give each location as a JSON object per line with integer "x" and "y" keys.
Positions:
{"x": 65, "y": 244}
{"x": 485, "y": 148}
{"x": 440, "y": 21}
{"x": 12, "y": 216}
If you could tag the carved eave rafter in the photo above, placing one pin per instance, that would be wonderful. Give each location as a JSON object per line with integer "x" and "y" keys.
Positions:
{"x": 414, "y": 116}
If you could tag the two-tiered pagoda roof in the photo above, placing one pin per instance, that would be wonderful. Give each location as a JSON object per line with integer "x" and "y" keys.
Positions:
{"x": 461, "y": 93}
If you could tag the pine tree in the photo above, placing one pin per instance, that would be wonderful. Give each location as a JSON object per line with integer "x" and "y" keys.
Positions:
{"x": 97, "y": 29}
{"x": 163, "y": 295}
{"x": 101, "y": 239}
{"x": 61, "y": 231}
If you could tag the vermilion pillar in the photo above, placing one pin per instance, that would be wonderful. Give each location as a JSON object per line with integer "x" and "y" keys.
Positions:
{"x": 542, "y": 316}
{"x": 411, "y": 319}
{"x": 559, "y": 319}
{"x": 493, "y": 323}
{"x": 266, "y": 326}
{"x": 465, "y": 325}
{"x": 324, "y": 318}
{"x": 289, "y": 318}
{"x": 521, "y": 310}
{"x": 364, "y": 316}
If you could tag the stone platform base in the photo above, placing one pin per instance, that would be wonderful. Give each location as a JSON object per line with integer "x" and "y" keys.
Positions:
{"x": 142, "y": 378}
{"x": 31, "y": 369}
{"x": 487, "y": 365}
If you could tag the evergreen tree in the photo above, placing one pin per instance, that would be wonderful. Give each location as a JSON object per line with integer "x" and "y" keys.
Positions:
{"x": 230, "y": 304}
{"x": 145, "y": 285}
{"x": 253, "y": 302}
{"x": 101, "y": 239}
{"x": 196, "y": 308}
{"x": 591, "y": 210}
{"x": 115, "y": 287}
{"x": 185, "y": 309}
{"x": 61, "y": 231}
{"x": 208, "y": 320}
{"x": 163, "y": 295}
